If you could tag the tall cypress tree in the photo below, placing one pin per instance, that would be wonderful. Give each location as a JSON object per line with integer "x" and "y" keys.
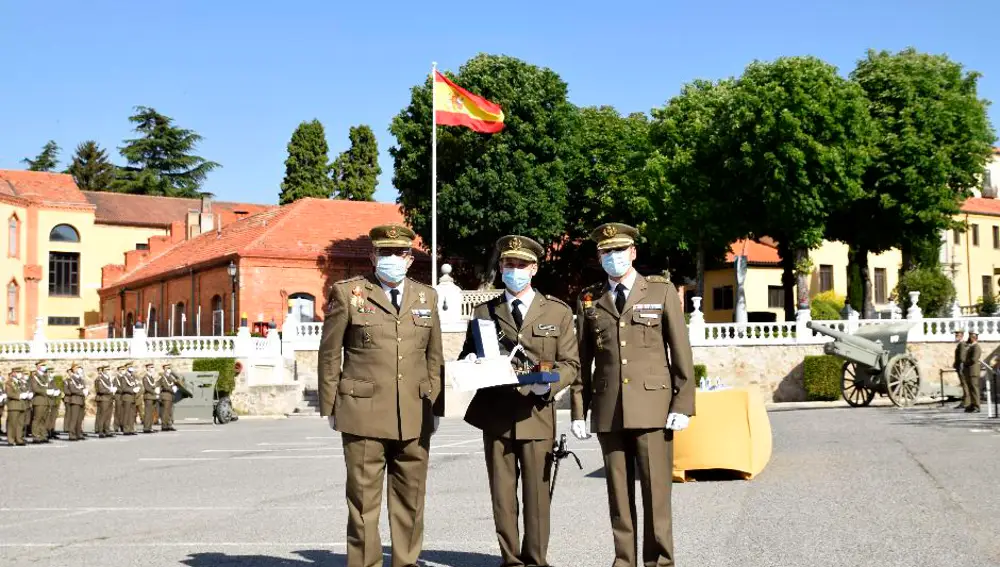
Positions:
{"x": 356, "y": 171}
{"x": 91, "y": 169}
{"x": 160, "y": 161}
{"x": 47, "y": 160}
{"x": 307, "y": 168}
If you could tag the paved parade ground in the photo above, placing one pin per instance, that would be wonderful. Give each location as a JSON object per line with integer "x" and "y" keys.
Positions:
{"x": 866, "y": 486}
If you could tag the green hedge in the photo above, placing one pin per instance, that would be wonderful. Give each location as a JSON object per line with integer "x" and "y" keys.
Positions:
{"x": 700, "y": 371}
{"x": 226, "y": 367}
{"x": 821, "y": 376}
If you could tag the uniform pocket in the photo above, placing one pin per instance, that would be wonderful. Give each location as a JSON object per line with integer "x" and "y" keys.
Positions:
{"x": 364, "y": 335}
{"x": 356, "y": 388}
{"x": 424, "y": 388}
{"x": 422, "y": 327}
{"x": 652, "y": 384}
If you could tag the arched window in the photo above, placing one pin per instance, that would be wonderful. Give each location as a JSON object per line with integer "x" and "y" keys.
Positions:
{"x": 12, "y": 301}
{"x": 218, "y": 316}
{"x": 303, "y": 307}
{"x": 153, "y": 325}
{"x": 64, "y": 233}
{"x": 129, "y": 322}
{"x": 179, "y": 320}
{"x": 13, "y": 236}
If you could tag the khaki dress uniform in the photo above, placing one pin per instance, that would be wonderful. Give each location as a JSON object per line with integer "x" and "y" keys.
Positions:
{"x": 54, "y": 400}
{"x": 643, "y": 371}
{"x": 14, "y": 388}
{"x": 168, "y": 387}
{"x": 150, "y": 393}
{"x": 971, "y": 372}
{"x": 105, "y": 390}
{"x": 116, "y": 400}
{"x": 76, "y": 397}
{"x": 519, "y": 427}
{"x": 39, "y": 406}
{"x": 130, "y": 389}
{"x": 383, "y": 399}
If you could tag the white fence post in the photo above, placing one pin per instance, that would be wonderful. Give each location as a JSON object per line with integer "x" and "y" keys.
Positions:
{"x": 243, "y": 342}
{"x": 288, "y": 332}
{"x": 37, "y": 347}
{"x": 273, "y": 343}
{"x": 802, "y": 333}
{"x": 137, "y": 344}
{"x": 914, "y": 314}
{"x": 449, "y": 302}
{"x": 696, "y": 327}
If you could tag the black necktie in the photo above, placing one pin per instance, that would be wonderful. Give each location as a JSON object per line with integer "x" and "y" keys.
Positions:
{"x": 516, "y": 312}
{"x": 395, "y": 299}
{"x": 620, "y": 298}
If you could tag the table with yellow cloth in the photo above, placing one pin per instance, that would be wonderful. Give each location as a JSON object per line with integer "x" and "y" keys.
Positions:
{"x": 730, "y": 431}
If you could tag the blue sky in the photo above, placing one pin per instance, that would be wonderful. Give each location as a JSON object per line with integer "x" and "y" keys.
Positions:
{"x": 244, "y": 74}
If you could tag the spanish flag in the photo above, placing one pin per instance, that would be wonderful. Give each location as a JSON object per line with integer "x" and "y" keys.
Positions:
{"x": 455, "y": 106}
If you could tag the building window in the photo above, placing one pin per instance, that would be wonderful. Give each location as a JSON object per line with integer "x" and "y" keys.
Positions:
{"x": 142, "y": 246}
{"x": 996, "y": 236}
{"x": 13, "y": 236}
{"x": 775, "y": 297}
{"x": 987, "y": 286}
{"x": 218, "y": 316}
{"x": 179, "y": 320}
{"x": 12, "y": 302}
{"x": 303, "y": 306}
{"x": 64, "y": 233}
{"x": 64, "y": 273}
{"x": 64, "y": 321}
{"x": 825, "y": 277}
{"x": 881, "y": 288}
{"x": 722, "y": 297}
{"x": 975, "y": 235}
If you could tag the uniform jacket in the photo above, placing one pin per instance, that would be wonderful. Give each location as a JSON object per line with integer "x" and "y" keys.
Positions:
{"x": 103, "y": 385}
{"x": 166, "y": 383}
{"x": 149, "y": 382}
{"x": 381, "y": 374}
{"x": 546, "y": 333}
{"x": 643, "y": 368}
{"x": 40, "y": 387}
{"x": 76, "y": 391}
{"x": 13, "y": 389}
{"x": 972, "y": 357}
{"x": 960, "y": 349}
{"x": 129, "y": 386}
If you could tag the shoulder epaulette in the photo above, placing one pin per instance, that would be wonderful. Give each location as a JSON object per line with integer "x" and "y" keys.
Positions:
{"x": 657, "y": 279}
{"x": 355, "y": 278}
{"x": 557, "y": 300}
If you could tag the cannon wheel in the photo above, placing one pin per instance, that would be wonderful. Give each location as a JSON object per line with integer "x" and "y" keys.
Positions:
{"x": 902, "y": 380}
{"x": 852, "y": 386}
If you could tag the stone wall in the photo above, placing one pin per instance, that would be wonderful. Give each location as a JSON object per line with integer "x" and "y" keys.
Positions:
{"x": 280, "y": 399}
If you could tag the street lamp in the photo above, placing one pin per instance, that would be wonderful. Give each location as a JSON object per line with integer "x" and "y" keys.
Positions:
{"x": 231, "y": 269}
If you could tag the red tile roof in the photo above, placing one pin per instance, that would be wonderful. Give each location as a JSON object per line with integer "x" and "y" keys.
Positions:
{"x": 159, "y": 212}
{"x": 981, "y": 206}
{"x": 307, "y": 228}
{"x": 42, "y": 187}
{"x": 757, "y": 253}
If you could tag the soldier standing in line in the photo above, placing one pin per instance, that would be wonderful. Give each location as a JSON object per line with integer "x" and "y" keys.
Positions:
{"x": 168, "y": 387}
{"x": 76, "y": 397}
{"x": 16, "y": 402}
{"x": 972, "y": 358}
{"x": 54, "y": 398}
{"x": 130, "y": 389}
{"x": 150, "y": 393}
{"x": 961, "y": 347}
{"x": 3, "y": 404}
{"x": 40, "y": 391}
{"x": 519, "y": 422}
{"x": 116, "y": 400}
{"x": 640, "y": 391}
{"x": 105, "y": 390}
{"x": 387, "y": 397}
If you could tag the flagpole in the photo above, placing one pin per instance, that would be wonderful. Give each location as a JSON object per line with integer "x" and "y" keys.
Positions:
{"x": 433, "y": 177}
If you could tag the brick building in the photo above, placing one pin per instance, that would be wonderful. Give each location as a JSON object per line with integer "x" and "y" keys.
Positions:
{"x": 280, "y": 259}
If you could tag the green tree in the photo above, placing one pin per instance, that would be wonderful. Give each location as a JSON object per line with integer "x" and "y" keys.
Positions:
{"x": 513, "y": 181}
{"x": 356, "y": 171}
{"x": 696, "y": 208}
{"x": 796, "y": 143}
{"x": 160, "y": 160}
{"x": 91, "y": 169}
{"x": 307, "y": 168}
{"x": 605, "y": 183}
{"x": 46, "y": 160}
{"x": 937, "y": 292}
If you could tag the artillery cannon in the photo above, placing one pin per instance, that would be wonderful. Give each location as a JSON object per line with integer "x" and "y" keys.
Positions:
{"x": 875, "y": 362}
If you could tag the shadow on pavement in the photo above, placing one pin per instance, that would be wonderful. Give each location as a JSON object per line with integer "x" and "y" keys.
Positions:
{"x": 324, "y": 558}
{"x": 947, "y": 417}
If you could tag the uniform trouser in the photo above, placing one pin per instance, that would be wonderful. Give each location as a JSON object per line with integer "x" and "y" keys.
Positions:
{"x": 73, "y": 415}
{"x": 67, "y": 425}
{"x": 117, "y": 413}
{"x": 29, "y": 414}
{"x": 971, "y": 389}
{"x": 167, "y": 412}
{"x": 367, "y": 460}
{"x": 509, "y": 461}
{"x": 39, "y": 420}
{"x": 15, "y": 431}
{"x": 147, "y": 414}
{"x": 105, "y": 411}
{"x": 53, "y": 414}
{"x": 649, "y": 452}
{"x": 128, "y": 413}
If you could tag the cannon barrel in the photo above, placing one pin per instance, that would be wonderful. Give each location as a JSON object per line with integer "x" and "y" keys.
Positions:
{"x": 845, "y": 337}
{"x": 850, "y": 347}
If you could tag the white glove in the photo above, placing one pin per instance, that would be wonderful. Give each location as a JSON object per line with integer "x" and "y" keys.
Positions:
{"x": 157, "y": 390}
{"x": 50, "y": 392}
{"x": 332, "y": 422}
{"x": 471, "y": 357}
{"x": 174, "y": 389}
{"x": 31, "y": 395}
{"x": 114, "y": 389}
{"x": 579, "y": 429}
{"x": 86, "y": 392}
{"x": 135, "y": 390}
{"x": 540, "y": 389}
{"x": 24, "y": 396}
{"x": 677, "y": 421}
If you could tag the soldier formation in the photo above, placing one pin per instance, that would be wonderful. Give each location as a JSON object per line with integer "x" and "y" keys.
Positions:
{"x": 31, "y": 401}
{"x": 627, "y": 362}
{"x": 968, "y": 355}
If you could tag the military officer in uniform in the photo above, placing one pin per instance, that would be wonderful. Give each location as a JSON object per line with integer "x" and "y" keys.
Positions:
{"x": 150, "y": 393}
{"x": 971, "y": 371}
{"x": 130, "y": 388}
{"x": 387, "y": 397}
{"x": 640, "y": 391}
{"x": 54, "y": 399}
{"x": 40, "y": 391}
{"x": 519, "y": 422}
{"x": 105, "y": 390}
{"x": 168, "y": 387}
{"x": 961, "y": 347}
{"x": 17, "y": 400}
{"x": 116, "y": 400}
{"x": 76, "y": 397}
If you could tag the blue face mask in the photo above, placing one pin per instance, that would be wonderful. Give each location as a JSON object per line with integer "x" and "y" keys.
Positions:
{"x": 391, "y": 268}
{"x": 617, "y": 263}
{"x": 516, "y": 278}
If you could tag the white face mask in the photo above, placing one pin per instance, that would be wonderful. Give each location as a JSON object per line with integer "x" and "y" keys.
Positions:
{"x": 617, "y": 263}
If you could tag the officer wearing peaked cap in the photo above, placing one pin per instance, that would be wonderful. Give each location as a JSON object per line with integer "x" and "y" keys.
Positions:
{"x": 641, "y": 390}
{"x": 381, "y": 373}
{"x": 519, "y": 422}
{"x": 40, "y": 390}
{"x": 76, "y": 398}
{"x": 16, "y": 404}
